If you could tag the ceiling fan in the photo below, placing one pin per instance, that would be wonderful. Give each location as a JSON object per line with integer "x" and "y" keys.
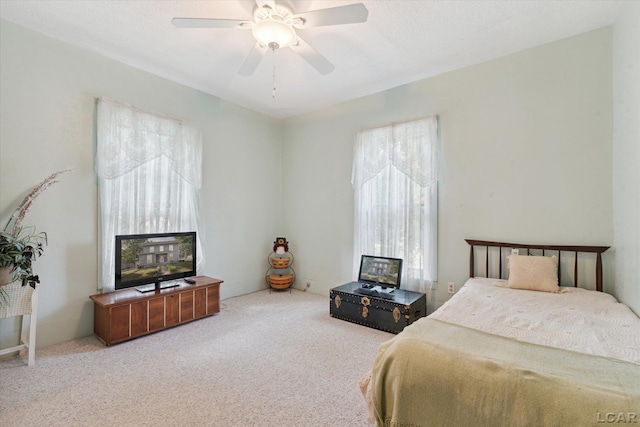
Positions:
{"x": 274, "y": 26}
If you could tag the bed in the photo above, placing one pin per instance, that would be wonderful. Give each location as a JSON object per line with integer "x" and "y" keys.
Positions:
{"x": 514, "y": 348}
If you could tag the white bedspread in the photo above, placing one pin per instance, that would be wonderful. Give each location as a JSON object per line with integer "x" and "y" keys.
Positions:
{"x": 575, "y": 319}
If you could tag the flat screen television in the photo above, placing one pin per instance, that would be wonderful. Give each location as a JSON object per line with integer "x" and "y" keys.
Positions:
{"x": 378, "y": 270}
{"x": 154, "y": 261}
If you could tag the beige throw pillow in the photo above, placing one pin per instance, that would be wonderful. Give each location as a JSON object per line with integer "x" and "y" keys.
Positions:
{"x": 536, "y": 273}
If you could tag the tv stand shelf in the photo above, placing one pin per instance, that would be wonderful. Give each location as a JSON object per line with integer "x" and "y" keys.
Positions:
{"x": 126, "y": 314}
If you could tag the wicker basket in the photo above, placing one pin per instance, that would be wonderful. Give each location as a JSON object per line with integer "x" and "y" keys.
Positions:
{"x": 280, "y": 262}
{"x": 280, "y": 281}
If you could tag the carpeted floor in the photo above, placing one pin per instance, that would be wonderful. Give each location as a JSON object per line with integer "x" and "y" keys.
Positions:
{"x": 267, "y": 359}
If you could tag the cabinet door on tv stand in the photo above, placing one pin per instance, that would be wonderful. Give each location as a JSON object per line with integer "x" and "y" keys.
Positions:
{"x": 119, "y": 323}
{"x": 200, "y": 303}
{"x": 213, "y": 299}
{"x": 186, "y": 306}
{"x": 156, "y": 314}
{"x": 139, "y": 318}
{"x": 172, "y": 310}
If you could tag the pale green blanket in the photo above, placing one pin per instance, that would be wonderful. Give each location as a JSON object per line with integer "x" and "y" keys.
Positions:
{"x": 439, "y": 374}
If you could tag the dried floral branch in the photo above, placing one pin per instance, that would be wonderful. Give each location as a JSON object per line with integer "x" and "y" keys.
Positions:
{"x": 17, "y": 215}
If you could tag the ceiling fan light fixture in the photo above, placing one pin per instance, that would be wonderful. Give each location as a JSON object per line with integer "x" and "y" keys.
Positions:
{"x": 274, "y": 33}
{"x": 274, "y": 26}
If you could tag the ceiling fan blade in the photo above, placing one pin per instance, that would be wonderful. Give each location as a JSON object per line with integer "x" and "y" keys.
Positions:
{"x": 350, "y": 14}
{"x": 269, "y": 3}
{"x": 309, "y": 54}
{"x": 210, "y": 23}
{"x": 252, "y": 60}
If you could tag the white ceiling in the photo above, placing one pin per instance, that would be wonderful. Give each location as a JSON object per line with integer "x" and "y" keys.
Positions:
{"x": 402, "y": 41}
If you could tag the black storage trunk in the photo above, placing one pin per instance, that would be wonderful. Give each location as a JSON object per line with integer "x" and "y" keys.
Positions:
{"x": 390, "y": 315}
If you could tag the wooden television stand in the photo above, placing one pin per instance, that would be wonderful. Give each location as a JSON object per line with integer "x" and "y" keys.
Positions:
{"x": 126, "y": 314}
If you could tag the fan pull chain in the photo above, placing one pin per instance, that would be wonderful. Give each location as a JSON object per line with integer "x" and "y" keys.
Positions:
{"x": 273, "y": 56}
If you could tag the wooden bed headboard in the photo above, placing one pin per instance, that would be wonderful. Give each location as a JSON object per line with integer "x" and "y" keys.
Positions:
{"x": 559, "y": 249}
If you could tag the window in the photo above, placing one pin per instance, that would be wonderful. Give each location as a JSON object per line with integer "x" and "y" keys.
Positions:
{"x": 149, "y": 171}
{"x": 395, "y": 183}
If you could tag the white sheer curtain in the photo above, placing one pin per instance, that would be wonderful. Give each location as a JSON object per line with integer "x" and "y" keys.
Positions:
{"x": 395, "y": 181}
{"x": 149, "y": 171}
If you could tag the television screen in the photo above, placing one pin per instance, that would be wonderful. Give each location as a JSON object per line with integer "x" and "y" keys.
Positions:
{"x": 380, "y": 270}
{"x": 154, "y": 260}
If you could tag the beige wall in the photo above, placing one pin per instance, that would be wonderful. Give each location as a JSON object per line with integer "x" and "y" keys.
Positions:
{"x": 47, "y": 124}
{"x": 526, "y": 157}
{"x": 626, "y": 154}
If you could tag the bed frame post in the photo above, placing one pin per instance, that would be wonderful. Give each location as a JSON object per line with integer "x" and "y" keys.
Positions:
{"x": 559, "y": 269}
{"x": 471, "y": 262}
{"x": 599, "y": 271}
{"x": 575, "y": 271}
{"x": 486, "y": 263}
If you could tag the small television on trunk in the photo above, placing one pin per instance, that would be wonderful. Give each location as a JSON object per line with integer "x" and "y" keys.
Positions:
{"x": 154, "y": 261}
{"x": 378, "y": 270}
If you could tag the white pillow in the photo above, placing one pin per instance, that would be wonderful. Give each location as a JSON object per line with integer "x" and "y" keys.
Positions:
{"x": 535, "y": 273}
